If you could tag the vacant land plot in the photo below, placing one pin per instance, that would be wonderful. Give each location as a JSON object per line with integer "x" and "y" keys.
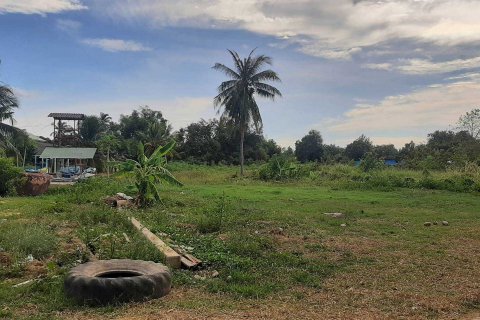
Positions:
{"x": 277, "y": 255}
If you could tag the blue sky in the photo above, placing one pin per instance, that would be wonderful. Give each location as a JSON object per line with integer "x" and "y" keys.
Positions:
{"x": 394, "y": 70}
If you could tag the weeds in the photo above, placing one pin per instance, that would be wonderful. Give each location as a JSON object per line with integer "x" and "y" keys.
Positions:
{"x": 27, "y": 239}
{"x": 213, "y": 220}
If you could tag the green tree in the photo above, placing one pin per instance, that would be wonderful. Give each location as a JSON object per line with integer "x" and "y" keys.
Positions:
{"x": 138, "y": 124}
{"x": 333, "y": 154}
{"x": 105, "y": 122}
{"x": 237, "y": 95}
{"x": 310, "y": 147}
{"x": 106, "y": 144}
{"x": 199, "y": 142}
{"x": 470, "y": 122}
{"x": 8, "y": 102}
{"x": 157, "y": 134}
{"x": 385, "y": 152}
{"x": 358, "y": 148}
{"x": 90, "y": 129}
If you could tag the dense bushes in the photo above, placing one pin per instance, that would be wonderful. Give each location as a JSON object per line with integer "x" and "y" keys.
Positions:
{"x": 281, "y": 167}
{"x": 10, "y": 177}
{"x": 372, "y": 175}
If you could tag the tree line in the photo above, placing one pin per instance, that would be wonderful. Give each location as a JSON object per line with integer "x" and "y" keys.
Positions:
{"x": 443, "y": 148}
{"x": 216, "y": 141}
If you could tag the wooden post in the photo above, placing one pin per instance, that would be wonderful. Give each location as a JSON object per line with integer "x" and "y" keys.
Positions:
{"x": 172, "y": 258}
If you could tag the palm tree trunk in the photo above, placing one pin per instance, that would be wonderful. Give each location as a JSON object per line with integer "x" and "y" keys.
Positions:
{"x": 108, "y": 162}
{"x": 242, "y": 137}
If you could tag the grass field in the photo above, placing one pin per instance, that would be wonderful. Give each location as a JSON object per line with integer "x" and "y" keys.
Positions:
{"x": 278, "y": 256}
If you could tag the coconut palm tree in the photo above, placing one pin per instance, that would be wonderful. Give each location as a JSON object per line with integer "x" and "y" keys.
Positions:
{"x": 157, "y": 134}
{"x": 236, "y": 96}
{"x": 105, "y": 121}
{"x": 8, "y": 102}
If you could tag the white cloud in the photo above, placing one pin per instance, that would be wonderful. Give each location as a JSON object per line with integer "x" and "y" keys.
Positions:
{"x": 116, "y": 45}
{"x": 419, "y": 66}
{"x": 39, "y": 6}
{"x": 425, "y": 67}
{"x": 473, "y": 76}
{"x": 333, "y": 29}
{"x": 414, "y": 114}
{"x": 378, "y": 66}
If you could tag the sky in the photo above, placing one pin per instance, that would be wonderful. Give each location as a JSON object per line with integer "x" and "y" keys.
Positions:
{"x": 394, "y": 70}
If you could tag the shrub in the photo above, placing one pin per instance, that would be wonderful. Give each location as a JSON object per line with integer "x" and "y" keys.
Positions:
{"x": 280, "y": 167}
{"x": 10, "y": 177}
{"x": 370, "y": 162}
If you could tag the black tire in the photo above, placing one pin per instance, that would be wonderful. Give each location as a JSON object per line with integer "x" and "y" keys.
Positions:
{"x": 119, "y": 280}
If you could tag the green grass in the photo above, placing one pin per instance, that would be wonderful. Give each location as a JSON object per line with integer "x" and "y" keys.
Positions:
{"x": 266, "y": 240}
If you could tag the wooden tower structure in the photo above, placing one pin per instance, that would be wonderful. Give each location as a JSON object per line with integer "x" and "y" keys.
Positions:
{"x": 66, "y": 129}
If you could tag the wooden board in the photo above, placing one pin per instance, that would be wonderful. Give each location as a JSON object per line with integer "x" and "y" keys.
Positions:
{"x": 172, "y": 258}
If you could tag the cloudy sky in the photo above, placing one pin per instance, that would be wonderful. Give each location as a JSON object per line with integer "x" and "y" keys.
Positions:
{"x": 394, "y": 70}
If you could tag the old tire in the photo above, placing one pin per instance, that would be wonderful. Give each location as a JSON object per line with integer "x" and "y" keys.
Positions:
{"x": 119, "y": 280}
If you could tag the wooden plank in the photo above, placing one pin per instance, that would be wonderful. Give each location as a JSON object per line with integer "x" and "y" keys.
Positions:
{"x": 171, "y": 257}
{"x": 192, "y": 258}
{"x": 187, "y": 263}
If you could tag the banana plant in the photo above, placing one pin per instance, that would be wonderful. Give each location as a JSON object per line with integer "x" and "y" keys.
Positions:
{"x": 149, "y": 172}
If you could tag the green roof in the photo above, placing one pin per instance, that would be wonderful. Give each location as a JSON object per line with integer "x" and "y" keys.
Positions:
{"x": 68, "y": 153}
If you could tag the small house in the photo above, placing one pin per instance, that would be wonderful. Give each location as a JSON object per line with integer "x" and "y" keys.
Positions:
{"x": 67, "y": 161}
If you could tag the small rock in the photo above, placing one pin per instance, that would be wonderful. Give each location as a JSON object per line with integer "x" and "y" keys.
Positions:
{"x": 435, "y": 223}
{"x": 29, "y": 258}
{"x": 343, "y": 225}
{"x": 334, "y": 214}
{"x": 427, "y": 224}
{"x": 215, "y": 274}
{"x": 229, "y": 277}
{"x": 444, "y": 223}
{"x": 257, "y": 232}
{"x": 124, "y": 196}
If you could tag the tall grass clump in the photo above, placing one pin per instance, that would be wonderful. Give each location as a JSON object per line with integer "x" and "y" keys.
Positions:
{"x": 213, "y": 220}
